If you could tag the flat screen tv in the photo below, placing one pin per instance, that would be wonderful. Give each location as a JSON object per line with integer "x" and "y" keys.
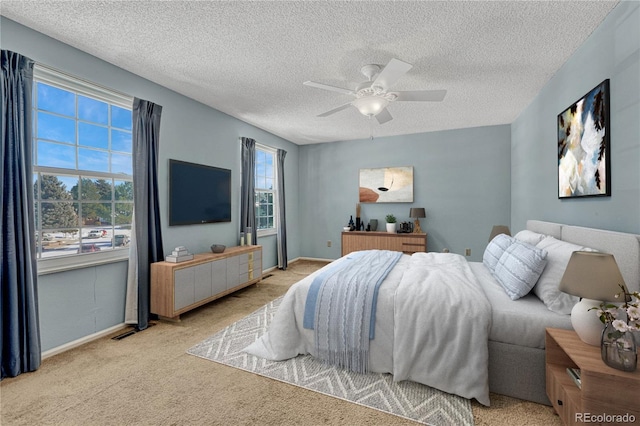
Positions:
{"x": 198, "y": 193}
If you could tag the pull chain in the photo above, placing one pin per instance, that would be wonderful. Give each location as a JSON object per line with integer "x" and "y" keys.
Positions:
{"x": 371, "y": 127}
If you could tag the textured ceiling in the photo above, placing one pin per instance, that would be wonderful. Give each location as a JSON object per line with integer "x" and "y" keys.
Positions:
{"x": 249, "y": 59}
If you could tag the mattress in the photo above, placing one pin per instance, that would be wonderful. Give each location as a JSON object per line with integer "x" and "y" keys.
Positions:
{"x": 519, "y": 322}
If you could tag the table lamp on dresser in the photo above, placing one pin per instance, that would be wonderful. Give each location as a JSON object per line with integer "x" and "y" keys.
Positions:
{"x": 417, "y": 213}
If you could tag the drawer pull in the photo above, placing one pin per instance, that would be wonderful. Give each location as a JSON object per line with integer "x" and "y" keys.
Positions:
{"x": 559, "y": 402}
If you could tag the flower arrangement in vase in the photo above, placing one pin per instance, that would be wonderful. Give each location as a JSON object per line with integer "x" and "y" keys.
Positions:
{"x": 618, "y": 346}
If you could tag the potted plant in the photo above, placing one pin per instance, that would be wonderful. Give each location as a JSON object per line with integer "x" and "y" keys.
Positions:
{"x": 391, "y": 223}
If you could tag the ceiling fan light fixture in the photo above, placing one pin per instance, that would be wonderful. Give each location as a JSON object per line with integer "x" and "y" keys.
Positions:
{"x": 370, "y": 105}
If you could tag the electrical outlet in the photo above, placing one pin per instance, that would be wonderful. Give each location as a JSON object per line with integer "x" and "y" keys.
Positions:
{"x": 467, "y": 252}
{"x": 328, "y": 243}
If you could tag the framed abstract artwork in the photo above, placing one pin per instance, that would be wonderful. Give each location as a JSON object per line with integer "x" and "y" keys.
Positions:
{"x": 584, "y": 167}
{"x": 386, "y": 185}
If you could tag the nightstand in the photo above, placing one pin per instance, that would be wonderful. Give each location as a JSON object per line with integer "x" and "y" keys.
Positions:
{"x": 606, "y": 394}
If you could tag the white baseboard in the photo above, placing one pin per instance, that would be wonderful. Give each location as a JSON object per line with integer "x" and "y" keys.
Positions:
{"x": 83, "y": 340}
{"x": 315, "y": 259}
{"x": 264, "y": 271}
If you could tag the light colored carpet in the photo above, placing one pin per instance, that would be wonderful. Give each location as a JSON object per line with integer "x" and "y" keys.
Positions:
{"x": 149, "y": 379}
{"x": 406, "y": 399}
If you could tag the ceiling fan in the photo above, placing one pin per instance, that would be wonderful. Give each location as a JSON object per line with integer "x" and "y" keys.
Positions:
{"x": 373, "y": 96}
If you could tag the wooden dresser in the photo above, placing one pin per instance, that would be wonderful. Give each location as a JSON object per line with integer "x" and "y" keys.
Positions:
{"x": 362, "y": 240}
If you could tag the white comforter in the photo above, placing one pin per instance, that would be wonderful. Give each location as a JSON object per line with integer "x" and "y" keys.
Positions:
{"x": 432, "y": 326}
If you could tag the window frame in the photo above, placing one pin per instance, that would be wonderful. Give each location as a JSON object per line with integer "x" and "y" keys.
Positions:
{"x": 273, "y": 152}
{"x": 46, "y": 75}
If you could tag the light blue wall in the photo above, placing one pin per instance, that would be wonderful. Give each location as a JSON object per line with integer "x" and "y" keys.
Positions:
{"x": 613, "y": 52}
{"x": 461, "y": 178}
{"x": 82, "y": 302}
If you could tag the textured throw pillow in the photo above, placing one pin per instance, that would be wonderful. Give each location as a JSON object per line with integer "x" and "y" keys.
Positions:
{"x": 558, "y": 255}
{"x": 519, "y": 268}
{"x": 529, "y": 237}
{"x": 495, "y": 249}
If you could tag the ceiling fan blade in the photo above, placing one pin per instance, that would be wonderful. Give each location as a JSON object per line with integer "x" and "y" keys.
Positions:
{"x": 391, "y": 73}
{"x": 328, "y": 87}
{"x": 421, "y": 95}
{"x": 384, "y": 116}
{"x": 333, "y": 111}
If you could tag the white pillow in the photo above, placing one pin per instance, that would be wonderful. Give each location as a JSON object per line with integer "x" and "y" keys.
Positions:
{"x": 495, "y": 249}
{"x": 519, "y": 268}
{"x": 529, "y": 237}
{"x": 558, "y": 255}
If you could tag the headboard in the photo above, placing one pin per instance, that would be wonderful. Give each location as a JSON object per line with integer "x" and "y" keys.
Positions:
{"x": 624, "y": 247}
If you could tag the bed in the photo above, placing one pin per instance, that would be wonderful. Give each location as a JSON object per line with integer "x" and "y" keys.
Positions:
{"x": 452, "y": 324}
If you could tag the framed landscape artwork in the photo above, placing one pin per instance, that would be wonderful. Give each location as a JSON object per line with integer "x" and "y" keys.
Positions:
{"x": 386, "y": 185}
{"x": 583, "y": 146}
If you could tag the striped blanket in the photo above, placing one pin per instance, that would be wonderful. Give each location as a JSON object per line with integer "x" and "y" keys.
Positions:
{"x": 341, "y": 306}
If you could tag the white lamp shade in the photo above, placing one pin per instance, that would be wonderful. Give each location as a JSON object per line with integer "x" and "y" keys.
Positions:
{"x": 370, "y": 105}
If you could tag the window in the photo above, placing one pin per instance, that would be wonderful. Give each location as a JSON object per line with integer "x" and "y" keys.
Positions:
{"x": 265, "y": 187}
{"x": 83, "y": 171}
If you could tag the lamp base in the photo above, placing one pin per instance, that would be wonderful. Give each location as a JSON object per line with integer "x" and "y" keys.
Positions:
{"x": 586, "y": 323}
{"x": 416, "y": 227}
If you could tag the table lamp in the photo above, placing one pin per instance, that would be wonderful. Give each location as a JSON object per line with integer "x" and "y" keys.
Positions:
{"x": 416, "y": 213}
{"x": 596, "y": 278}
{"x": 497, "y": 230}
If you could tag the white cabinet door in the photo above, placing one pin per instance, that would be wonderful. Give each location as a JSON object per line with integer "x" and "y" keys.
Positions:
{"x": 202, "y": 288}
{"x": 243, "y": 268}
{"x": 218, "y": 276}
{"x": 233, "y": 271}
{"x": 184, "y": 294}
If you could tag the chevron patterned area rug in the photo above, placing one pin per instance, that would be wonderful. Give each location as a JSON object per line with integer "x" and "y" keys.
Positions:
{"x": 378, "y": 391}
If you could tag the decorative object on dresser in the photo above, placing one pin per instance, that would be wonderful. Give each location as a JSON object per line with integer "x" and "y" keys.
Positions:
{"x": 391, "y": 223}
{"x": 179, "y": 254}
{"x": 405, "y": 228}
{"x": 217, "y": 248}
{"x": 499, "y": 229}
{"x": 605, "y": 395}
{"x": 595, "y": 277}
{"x": 584, "y": 139}
{"x": 179, "y": 287}
{"x": 417, "y": 213}
{"x": 373, "y": 225}
{"x": 248, "y": 235}
{"x": 407, "y": 243}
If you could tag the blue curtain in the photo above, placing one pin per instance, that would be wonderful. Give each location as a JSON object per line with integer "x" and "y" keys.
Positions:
{"x": 247, "y": 197}
{"x": 282, "y": 217}
{"x": 146, "y": 137}
{"x": 20, "y": 332}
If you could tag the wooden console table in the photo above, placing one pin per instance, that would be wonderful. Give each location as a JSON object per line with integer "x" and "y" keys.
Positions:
{"x": 179, "y": 287}
{"x": 363, "y": 240}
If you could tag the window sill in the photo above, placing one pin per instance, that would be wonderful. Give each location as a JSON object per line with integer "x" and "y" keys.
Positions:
{"x": 267, "y": 232}
{"x": 61, "y": 264}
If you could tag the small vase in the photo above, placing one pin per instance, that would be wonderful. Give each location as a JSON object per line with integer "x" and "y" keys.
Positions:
{"x": 373, "y": 223}
{"x": 618, "y": 349}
